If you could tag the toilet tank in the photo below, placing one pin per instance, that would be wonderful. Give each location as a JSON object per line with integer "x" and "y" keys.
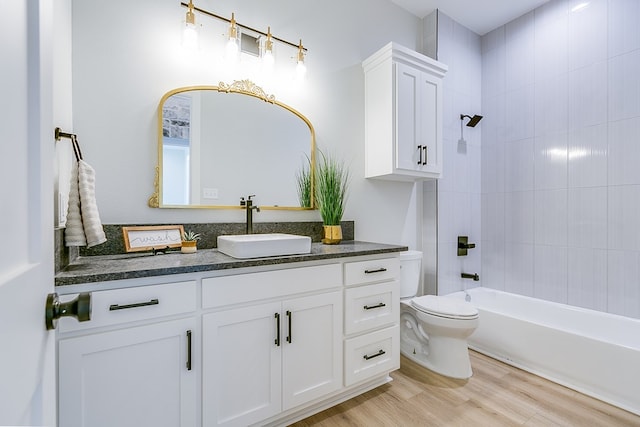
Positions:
{"x": 410, "y": 269}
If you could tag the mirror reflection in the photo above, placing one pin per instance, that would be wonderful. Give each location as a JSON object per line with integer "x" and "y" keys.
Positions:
{"x": 220, "y": 143}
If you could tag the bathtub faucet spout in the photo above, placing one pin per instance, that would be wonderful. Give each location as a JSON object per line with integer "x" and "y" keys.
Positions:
{"x": 473, "y": 276}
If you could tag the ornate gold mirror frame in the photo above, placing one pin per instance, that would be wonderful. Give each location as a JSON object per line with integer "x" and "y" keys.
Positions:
{"x": 242, "y": 87}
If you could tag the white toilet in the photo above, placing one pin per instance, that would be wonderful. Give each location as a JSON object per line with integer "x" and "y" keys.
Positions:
{"x": 433, "y": 329}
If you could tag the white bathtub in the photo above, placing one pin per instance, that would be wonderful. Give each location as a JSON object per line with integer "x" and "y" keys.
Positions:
{"x": 595, "y": 353}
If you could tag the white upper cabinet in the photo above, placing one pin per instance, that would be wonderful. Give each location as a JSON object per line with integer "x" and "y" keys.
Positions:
{"x": 403, "y": 114}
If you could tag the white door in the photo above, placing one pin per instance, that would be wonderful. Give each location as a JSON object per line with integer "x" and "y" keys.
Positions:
{"x": 27, "y": 359}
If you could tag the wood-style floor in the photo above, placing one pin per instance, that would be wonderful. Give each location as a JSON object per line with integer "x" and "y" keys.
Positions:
{"x": 496, "y": 395}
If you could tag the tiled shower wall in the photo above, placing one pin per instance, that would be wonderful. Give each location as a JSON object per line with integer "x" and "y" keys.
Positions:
{"x": 561, "y": 155}
{"x": 458, "y": 192}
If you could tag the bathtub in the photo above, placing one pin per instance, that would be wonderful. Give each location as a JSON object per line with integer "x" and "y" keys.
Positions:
{"x": 595, "y": 353}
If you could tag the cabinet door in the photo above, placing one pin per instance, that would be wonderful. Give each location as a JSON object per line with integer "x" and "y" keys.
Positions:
{"x": 418, "y": 125}
{"x": 242, "y": 370}
{"x": 408, "y": 137}
{"x": 430, "y": 124}
{"x": 129, "y": 377}
{"x": 312, "y": 348}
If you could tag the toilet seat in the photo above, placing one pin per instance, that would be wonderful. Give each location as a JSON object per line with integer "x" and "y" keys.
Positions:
{"x": 445, "y": 307}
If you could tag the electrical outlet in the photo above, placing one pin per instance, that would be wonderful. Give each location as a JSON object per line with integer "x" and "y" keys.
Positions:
{"x": 209, "y": 193}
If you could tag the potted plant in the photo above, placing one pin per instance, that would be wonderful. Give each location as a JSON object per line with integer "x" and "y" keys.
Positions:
{"x": 189, "y": 242}
{"x": 332, "y": 180}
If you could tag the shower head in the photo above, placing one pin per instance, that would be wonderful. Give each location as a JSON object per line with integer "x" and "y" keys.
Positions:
{"x": 474, "y": 120}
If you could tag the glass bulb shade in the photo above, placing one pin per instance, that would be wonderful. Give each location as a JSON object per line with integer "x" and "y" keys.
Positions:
{"x": 190, "y": 37}
{"x": 267, "y": 58}
{"x": 301, "y": 70}
{"x": 231, "y": 49}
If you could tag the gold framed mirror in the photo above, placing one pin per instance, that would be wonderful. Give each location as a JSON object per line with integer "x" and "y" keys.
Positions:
{"x": 219, "y": 143}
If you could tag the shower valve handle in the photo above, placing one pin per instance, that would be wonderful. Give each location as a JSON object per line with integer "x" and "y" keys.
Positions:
{"x": 463, "y": 245}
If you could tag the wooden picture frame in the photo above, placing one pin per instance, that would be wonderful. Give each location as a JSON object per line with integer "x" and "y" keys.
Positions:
{"x": 149, "y": 237}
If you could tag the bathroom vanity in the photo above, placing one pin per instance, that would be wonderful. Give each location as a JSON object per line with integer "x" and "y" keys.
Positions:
{"x": 206, "y": 339}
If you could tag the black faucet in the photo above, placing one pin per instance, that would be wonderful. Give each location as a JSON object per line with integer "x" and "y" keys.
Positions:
{"x": 248, "y": 206}
{"x": 473, "y": 276}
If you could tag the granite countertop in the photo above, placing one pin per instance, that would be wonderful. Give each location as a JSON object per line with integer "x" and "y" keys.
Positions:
{"x": 130, "y": 266}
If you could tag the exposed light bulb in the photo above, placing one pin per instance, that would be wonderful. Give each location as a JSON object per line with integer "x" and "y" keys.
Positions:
{"x": 267, "y": 55}
{"x": 232, "y": 48}
{"x": 301, "y": 68}
{"x": 190, "y": 31}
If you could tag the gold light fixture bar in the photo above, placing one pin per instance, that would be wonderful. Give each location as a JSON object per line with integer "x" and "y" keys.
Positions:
{"x": 222, "y": 18}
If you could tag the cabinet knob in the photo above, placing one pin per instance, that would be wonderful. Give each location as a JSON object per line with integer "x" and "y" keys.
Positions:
{"x": 79, "y": 307}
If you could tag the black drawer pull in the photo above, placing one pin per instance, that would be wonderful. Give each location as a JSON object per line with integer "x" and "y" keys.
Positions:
{"x": 277, "y": 317}
{"x": 114, "y": 307}
{"x": 379, "y": 270}
{"x": 189, "y": 350}
{"x": 371, "y": 307}
{"x": 379, "y": 353}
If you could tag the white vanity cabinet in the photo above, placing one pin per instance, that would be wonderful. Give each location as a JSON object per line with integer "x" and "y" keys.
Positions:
{"x": 263, "y": 345}
{"x": 403, "y": 114}
{"x": 372, "y": 304}
{"x": 265, "y": 358}
{"x": 133, "y": 364}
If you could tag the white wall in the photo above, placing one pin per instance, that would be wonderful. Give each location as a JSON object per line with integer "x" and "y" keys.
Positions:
{"x": 126, "y": 55}
{"x": 560, "y": 151}
{"x": 458, "y": 191}
{"x": 62, "y": 75}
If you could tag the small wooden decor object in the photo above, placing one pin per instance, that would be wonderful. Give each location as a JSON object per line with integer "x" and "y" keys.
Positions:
{"x": 149, "y": 237}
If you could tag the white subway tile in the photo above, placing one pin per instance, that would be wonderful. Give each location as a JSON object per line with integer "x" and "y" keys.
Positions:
{"x": 551, "y": 217}
{"x": 587, "y": 217}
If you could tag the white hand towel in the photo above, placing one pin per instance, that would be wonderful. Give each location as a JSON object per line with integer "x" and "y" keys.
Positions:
{"x": 74, "y": 231}
{"x": 88, "y": 207}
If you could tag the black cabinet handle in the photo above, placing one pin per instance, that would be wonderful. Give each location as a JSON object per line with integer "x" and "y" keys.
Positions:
{"x": 114, "y": 307}
{"x": 188, "y": 350}
{"x": 379, "y": 270}
{"x": 371, "y": 307}
{"x": 420, "y": 154}
{"x": 277, "y": 316}
{"x": 424, "y": 147}
{"x": 379, "y": 353}
{"x": 289, "y": 336}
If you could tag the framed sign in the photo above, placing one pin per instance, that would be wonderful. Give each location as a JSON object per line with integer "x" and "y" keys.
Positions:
{"x": 149, "y": 237}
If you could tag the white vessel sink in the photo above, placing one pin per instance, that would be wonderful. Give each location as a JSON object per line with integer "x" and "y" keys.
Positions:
{"x": 263, "y": 245}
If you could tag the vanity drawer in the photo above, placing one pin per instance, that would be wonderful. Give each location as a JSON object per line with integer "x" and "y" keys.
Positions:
{"x": 375, "y": 270}
{"x": 372, "y": 354}
{"x": 241, "y": 288}
{"x": 132, "y": 304}
{"x": 371, "y": 306}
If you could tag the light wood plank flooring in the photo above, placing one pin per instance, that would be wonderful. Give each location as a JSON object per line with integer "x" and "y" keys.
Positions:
{"x": 496, "y": 395}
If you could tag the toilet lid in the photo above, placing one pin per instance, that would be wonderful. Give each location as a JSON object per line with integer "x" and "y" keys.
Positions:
{"x": 445, "y": 307}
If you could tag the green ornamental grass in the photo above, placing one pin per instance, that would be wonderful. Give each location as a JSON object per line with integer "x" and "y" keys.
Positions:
{"x": 303, "y": 180}
{"x": 332, "y": 181}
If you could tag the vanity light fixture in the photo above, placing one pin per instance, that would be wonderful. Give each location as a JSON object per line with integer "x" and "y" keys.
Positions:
{"x": 190, "y": 31}
{"x": 233, "y": 43}
{"x": 301, "y": 68}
